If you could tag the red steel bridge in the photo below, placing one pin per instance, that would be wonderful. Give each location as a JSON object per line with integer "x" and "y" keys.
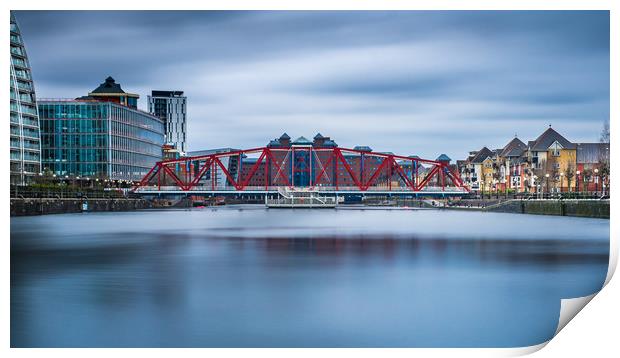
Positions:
{"x": 337, "y": 170}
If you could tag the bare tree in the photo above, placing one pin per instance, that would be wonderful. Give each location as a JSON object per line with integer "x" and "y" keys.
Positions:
{"x": 570, "y": 174}
{"x": 605, "y": 132}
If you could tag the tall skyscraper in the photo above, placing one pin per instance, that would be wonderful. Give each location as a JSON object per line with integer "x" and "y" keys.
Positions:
{"x": 171, "y": 107}
{"x": 25, "y": 139}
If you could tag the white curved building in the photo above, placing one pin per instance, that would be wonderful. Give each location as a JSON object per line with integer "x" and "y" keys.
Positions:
{"x": 25, "y": 137}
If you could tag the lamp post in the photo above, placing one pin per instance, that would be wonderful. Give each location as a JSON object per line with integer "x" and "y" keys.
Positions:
{"x": 577, "y": 173}
{"x": 547, "y": 176}
{"x": 561, "y": 180}
{"x": 596, "y": 175}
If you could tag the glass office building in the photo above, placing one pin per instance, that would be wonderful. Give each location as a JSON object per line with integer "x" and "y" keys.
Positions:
{"x": 94, "y": 139}
{"x": 25, "y": 141}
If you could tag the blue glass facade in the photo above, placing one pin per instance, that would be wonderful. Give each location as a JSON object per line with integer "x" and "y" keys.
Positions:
{"x": 99, "y": 140}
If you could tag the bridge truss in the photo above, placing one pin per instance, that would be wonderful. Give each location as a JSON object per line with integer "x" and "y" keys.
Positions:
{"x": 330, "y": 169}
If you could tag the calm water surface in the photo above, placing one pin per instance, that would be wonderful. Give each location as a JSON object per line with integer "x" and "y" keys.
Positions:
{"x": 245, "y": 276}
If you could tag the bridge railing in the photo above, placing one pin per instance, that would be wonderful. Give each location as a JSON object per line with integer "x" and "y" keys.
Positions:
{"x": 324, "y": 189}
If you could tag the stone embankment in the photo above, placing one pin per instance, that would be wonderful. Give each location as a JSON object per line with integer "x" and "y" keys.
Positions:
{"x": 591, "y": 208}
{"x": 43, "y": 206}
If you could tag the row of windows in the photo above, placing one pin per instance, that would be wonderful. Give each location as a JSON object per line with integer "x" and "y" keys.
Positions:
{"x": 32, "y": 156}
{"x": 142, "y": 120}
{"x": 24, "y": 108}
{"x": 62, "y": 126}
{"x": 22, "y": 74}
{"x": 28, "y": 168}
{"x": 26, "y": 120}
{"x": 128, "y": 144}
{"x": 95, "y": 170}
{"x": 74, "y": 155}
{"x": 16, "y": 39}
{"x": 74, "y": 140}
{"x": 22, "y": 85}
{"x": 92, "y": 170}
{"x": 125, "y": 130}
{"x": 16, "y": 50}
{"x": 131, "y": 158}
{"x": 73, "y": 111}
{"x": 24, "y": 97}
{"x": 30, "y": 144}
{"x": 26, "y": 132}
{"x": 16, "y": 61}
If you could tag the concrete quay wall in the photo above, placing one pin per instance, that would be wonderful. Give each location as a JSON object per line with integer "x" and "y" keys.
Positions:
{"x": 44, "y": 206}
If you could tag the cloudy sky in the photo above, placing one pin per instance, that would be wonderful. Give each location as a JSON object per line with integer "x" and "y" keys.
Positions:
{"x": 420, "y": 83}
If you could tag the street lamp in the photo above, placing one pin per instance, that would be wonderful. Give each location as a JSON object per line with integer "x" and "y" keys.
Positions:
{"x": 561, "y": 180}
{"x": 596, "y": 174}
{"x": 547, "y": 176}
{"x": 577, "y": 172}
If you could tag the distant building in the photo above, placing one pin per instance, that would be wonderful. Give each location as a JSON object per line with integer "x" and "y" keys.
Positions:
{"x": 171, "y": 107}
{"x": 551, "y": 156}
{"x": 25, "y": 137}
{"x": 550, "y": 163}
{"x": 98, "y": 137}
{"x": 593, "y": 166}
{"x": 220, "y": 180}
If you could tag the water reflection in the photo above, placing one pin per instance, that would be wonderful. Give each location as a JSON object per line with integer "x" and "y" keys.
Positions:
{"x": 230, "y": 278}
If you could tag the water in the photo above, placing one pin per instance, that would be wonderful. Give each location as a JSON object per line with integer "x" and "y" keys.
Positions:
{"x": 245, "y": 276}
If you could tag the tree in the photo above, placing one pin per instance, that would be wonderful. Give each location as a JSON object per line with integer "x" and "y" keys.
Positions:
{"x": 605, "y": 132}
{"x": 570, "y": 174}
{"x": 603, "y": 155}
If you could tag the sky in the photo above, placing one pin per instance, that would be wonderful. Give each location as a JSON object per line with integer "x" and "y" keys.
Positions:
{"x": 409, "y": 82}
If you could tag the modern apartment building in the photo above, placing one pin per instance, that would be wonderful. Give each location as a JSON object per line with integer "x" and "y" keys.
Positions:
{"x": 25, "y": 139}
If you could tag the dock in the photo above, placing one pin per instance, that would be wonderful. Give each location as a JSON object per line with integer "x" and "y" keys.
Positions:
{"x": 300, "y": 198}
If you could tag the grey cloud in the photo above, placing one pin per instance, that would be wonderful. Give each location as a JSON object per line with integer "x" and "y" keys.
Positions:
{"x": 421, "y": 82}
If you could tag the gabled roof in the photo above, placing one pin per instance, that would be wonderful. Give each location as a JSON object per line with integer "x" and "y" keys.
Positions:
{"x": 482, "y": 154}
{"x": 547, "y": 138}
{"x": 109, "y": 86}
{"x": 285, "y": 136}
{"x": 592, "y": 153}
{"x": 443, "y": 158}
{"x": 302, "y": 141}
{"x": 514, "y": 148}
{"x": 318, "y": 136}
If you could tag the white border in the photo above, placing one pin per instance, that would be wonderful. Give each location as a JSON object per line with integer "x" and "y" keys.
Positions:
{"x": 594, "y": 331}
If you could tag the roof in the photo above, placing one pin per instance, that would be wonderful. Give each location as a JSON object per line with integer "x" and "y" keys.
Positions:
{"x": 362, "y": 148}
{"x": 482, "y": 155}
{"x": 302, "y": 141}
{"x": 514, "y": 148}
{"x": 109, "y": 86}
{"x": 318, "y": 136}
{"x": 329, "y": 143}
{"x": 155, "y": 93}
{"x": 285, "y": 136}
{"x": 443, "y": 158}
{"x": 591, "y": 153}
{"x": 547, "y": 138}
{"x": 196, "y": 153}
